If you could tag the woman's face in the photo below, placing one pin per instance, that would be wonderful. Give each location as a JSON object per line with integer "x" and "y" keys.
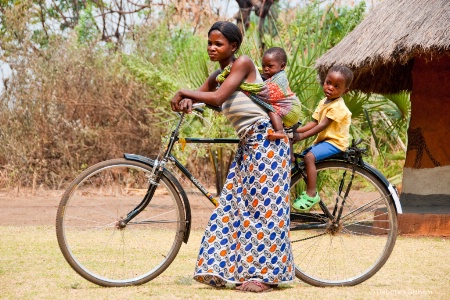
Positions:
{"x": 219, "y": 48}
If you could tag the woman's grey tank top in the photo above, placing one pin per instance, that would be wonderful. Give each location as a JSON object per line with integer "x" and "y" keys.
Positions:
{"x": 242, "y": 111}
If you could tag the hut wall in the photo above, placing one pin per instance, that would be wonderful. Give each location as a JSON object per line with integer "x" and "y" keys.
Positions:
{"x": 426, "y": 177}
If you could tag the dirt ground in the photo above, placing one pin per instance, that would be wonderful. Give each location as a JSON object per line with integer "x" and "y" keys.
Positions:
{"x": 38, "y": 208}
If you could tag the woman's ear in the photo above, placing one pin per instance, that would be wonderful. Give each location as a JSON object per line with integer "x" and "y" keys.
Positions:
{"x": 234, "y": 47}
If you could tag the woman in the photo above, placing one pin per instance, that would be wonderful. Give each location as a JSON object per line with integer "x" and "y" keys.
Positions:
{"x": 246, "y": 241}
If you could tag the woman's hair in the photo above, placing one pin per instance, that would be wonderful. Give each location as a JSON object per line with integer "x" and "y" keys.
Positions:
{"x": 229, "y": 30}
{"x": 346, "y": 73}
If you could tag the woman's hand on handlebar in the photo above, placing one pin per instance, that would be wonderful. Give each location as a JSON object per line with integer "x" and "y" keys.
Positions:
{"x": 174, "y": 103}
{"x": 185, "y": 105}
{"x": 178, "y": 103}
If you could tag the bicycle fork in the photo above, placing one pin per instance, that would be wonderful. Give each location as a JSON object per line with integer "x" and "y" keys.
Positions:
{"x": 153, "y": 178}
{"x": 154, "y": 182}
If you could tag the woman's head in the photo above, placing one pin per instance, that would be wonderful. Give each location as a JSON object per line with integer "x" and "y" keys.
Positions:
{"x": 224, "y": 39}
{"x": 229, "y": 30}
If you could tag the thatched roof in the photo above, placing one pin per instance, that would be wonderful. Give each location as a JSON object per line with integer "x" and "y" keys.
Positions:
{"x": 380, "y": 50}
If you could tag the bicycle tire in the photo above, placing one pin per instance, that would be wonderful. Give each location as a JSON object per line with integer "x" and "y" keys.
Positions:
{"x": 91, "y": 241}
{"x": 360, "y": 246}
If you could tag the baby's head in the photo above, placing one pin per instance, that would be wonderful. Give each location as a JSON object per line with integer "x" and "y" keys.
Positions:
{"x": 273, "y": 61}
{"x": 337, "y": 82}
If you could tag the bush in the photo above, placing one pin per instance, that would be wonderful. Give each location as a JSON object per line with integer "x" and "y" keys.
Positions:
{"x": 69, "y": 107}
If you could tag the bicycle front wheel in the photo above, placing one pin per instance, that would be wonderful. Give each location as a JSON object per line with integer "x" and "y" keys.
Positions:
{"x": 100, "y": 250}
{"x": 352, "y": 250}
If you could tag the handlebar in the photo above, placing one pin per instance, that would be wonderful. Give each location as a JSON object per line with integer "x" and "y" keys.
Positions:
{"x": 198, "y": 107}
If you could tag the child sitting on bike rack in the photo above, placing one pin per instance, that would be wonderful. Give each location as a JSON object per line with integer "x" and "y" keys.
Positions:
{"x": 331, "y": 123}
{"x": 284, "y": 108}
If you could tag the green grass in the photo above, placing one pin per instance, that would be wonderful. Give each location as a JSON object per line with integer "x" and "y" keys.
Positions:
{"x": 32, "y": 267}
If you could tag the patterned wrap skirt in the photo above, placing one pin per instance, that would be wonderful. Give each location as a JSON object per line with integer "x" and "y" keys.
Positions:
{"x": 247, "y": 236}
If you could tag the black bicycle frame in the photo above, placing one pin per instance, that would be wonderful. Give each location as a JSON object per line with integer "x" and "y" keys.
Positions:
{"x": 189, "y": 174}
{"x": 311, "y": 220}
{"x": 159, "y": 167}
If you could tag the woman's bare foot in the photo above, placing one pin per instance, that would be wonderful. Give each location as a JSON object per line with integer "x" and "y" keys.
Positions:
{"x": 254, "y": 287}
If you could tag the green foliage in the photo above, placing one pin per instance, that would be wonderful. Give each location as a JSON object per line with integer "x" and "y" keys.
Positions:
{"x": 149, "y": 74}
{"x": 76, "y": 97}
{"x": 86, "y": 29}
{"x": 342, "y": 19}
{"x": 381, "y": 121}
{"x": 169, "y": 60}
{"x": 313, "y": 30}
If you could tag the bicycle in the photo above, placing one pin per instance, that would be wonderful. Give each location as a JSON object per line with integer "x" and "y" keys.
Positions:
{"x": 122, "y": 221}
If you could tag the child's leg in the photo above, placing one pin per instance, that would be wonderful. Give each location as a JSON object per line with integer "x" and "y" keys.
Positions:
{"x": 319, "y": 151}
{"x": 291, "y": 147}
{"x": 277, "y": 124}
{"x": 310, "y": 197}
{"x": 311, "y": 173}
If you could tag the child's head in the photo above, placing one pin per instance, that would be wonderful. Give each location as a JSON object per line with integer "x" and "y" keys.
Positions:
{"x": 273, "y": 61}
{"x": 337, "y": 82}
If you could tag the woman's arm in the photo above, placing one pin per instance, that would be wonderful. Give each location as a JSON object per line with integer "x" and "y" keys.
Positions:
{"x": 178, "y": 103}
{"x": 210, "y": 84}
{"x": 243, "y": 70}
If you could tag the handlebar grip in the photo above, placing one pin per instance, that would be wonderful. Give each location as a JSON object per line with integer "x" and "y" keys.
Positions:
{"x": 215, "y": 108}
{"x": 197, "y": 107}
{"x": 200, "y": 110}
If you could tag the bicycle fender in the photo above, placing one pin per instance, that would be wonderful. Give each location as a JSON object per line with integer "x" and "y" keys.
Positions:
{"x": 389, "y": 186}
{"x": 187, "y": 208}
{"x": 375, "y": 172}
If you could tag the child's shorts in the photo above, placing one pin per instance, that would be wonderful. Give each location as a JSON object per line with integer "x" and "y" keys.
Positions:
{"x": 322, "y": 150}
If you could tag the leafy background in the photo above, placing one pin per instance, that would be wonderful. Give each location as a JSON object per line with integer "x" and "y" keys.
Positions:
{"x": 88, "y": 83}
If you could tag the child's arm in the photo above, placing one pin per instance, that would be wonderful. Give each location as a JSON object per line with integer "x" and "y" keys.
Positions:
{"x": 307, "y": 126}
{"x": 312, "y": 128}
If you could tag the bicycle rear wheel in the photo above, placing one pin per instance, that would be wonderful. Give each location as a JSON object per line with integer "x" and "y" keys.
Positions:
{"x": 359, "y": 245}
{"x": 88, "y": 232}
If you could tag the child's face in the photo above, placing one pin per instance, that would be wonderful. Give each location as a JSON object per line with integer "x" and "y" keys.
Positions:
{"x": 334, "y": 85}
{"x": 271, "y": 66}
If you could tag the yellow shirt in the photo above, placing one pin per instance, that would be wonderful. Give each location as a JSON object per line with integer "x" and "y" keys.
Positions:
{"x": 338, "y": 132}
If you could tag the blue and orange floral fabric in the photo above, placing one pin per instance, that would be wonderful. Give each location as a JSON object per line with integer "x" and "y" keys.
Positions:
{"x": 247, "y": 236}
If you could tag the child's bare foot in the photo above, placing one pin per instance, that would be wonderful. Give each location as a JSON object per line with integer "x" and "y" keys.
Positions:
{"x": 276, "y": 135}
